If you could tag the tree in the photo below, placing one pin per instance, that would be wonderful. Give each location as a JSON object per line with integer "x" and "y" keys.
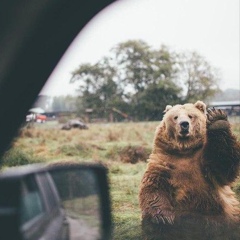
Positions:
{"x": 140, "y": 67}
{"x": 155, "y": 98}
{"x": 133, "y": 60}
{"x": 143, "y": 80}
{"x": 98, "y": 87}
{"x": 199, "y": 77}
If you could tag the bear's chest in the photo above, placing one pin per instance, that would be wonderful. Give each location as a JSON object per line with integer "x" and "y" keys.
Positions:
{"x": 191, "y": 191}
{"x": 188, "y": 182}
{"x": 187, "y": 173}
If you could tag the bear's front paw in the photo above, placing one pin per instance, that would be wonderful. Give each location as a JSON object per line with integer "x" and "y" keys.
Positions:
{"x": 165, "y": 217}
{"x": 217, "y": 119}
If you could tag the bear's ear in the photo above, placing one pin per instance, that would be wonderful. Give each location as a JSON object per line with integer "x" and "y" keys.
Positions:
{"x": 168, "y": 107}
{"x": 201, "y": 106}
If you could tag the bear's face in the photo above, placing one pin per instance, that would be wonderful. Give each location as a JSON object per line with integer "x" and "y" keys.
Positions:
{"x": 183, "y": 127}
{"x": 184, "y": 121}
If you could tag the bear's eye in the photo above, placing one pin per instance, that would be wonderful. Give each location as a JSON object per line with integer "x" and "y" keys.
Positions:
{"x": 190, "y": 116}
{"x": 175, "y": 118}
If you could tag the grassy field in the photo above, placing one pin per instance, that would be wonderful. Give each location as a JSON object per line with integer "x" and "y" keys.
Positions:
{"x": 122, "y": 147}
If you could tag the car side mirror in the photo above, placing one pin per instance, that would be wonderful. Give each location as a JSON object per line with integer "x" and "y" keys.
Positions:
{"x": 58, "y": 201}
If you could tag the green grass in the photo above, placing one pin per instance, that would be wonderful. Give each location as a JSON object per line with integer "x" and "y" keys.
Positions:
{"x": 105, "y": 143}
{"x": 125, "y": 180}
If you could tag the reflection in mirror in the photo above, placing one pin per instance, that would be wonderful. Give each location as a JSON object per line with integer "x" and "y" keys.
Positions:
{"x": 31, "y": 204}
{"x": 79, "y": 193}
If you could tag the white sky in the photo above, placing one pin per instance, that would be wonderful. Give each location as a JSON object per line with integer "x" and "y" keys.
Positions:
{"x": 210, "y": 27}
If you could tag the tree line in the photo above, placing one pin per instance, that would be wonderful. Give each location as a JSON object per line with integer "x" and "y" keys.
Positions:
{"x": 141, "y": 81}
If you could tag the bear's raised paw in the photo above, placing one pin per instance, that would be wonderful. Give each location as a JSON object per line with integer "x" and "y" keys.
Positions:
{"x": 217, "y": 119}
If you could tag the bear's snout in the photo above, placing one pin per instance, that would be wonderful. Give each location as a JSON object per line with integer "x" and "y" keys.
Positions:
{"x": 184, "y": 125}
{"x": 184, "y": 128}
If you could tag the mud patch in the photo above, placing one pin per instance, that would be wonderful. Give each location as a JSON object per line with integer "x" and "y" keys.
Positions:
{"x": 134, "y": 154}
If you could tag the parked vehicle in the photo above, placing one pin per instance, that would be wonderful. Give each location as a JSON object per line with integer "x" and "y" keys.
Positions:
{"x": 36, "y": 118}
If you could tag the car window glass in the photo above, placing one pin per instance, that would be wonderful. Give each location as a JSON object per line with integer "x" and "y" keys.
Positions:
{"x": 48, "y": 190}
{"x": 31, "y": 201}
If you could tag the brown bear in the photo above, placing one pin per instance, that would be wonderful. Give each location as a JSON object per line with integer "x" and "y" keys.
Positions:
{"x": 186, "y": 191}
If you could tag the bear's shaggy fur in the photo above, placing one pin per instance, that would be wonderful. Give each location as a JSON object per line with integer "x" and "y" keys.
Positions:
{"x": 186, "y": 191}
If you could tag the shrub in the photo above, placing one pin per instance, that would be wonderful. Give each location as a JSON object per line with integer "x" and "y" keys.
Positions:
{"x": 17, "y": 157}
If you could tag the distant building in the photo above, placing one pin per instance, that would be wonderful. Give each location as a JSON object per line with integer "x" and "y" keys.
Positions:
{"x": 231, "y": 107}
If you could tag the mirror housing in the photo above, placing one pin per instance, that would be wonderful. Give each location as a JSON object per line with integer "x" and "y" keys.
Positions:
{"x": 49, "y": 200}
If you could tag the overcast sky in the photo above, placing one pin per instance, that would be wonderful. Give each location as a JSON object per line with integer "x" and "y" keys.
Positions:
{"x": 210, "y": 27}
